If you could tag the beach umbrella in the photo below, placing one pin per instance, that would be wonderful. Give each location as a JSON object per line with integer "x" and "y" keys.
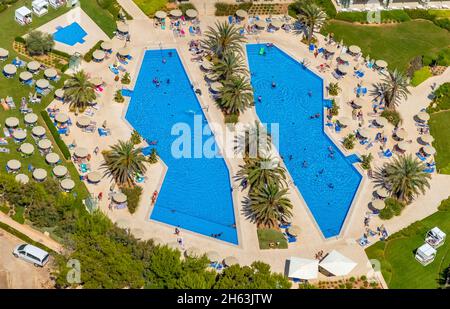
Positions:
{"x": 61, "y": 118}
{"x": 13, "y": 164}
{"x": 52, "y": 158}
{"x": 59, "y": 93}
{"x": 276, "y": 24}
{"x": 354, "y": 49}
{"x": 343, "y": 68}
{"x": 50, "y": 73}
{"x": 294, "y": 230}
{"x": 344, "y": 57}
{"x": 44, "y": 144}
{"x": 423, "y": 116}
{"x": 11, "y": 122}
{"x": 337, "y": 264}
{"x": 241, "y": 13}
{"x": 42, "y": 84}
{"x": 10, "y": 69}
{"x": 230, "y": 260}
{"x": 382, "y": 192}
{"x": 378, "y": 204}
{"x": 94, "y": 177}
{"x": 216, "y": 86}
{"x": 106, "y": 45}
{"x": 83, "y": 121}
{"x": 401, "y": 133}
{"x": 122, "y": 27}
{"x": 26, "y": 148}
{"x": 191, "y": 13}
{"x": 160, "y": 14}
{"x": 60, "y": 171}
{"x": 67, "y": 184}
{"x": 193, "y": 252}
{"x": 206, "y": 65}
{"x": 429, "y": 150}
{"x": 212, "y": 256}
{"x": 427, "y": 138}
{"x": 19, "y": 135}
{"x": 260, "y": 24}
{"x": 33, "y": 66}
{"x": 124, "y": 51}
{"x": 22, "y": 178}
{"x": 123, "y": 223}
{"x": 97, "y": 81}
{"x": 4, "y": 53}
{"x": 39, "y": 174}
{"x": 138, "y": 233}
{"x": 364, "y": 132}
{"x": 98, "y": 55}
{"x": 176, "y": 13}
{"x": 119, "y": 197}
{"x": 25, "y": 76}
{"x": 30, "y": 118}
{"x": 344, "y": 121}
{"x": 403, "y": 146}
{"x": 305, "y": 269}
{"x": 81, "y": 152}
{"x": 381, "y": 64}
{"x": 381, "y": 121}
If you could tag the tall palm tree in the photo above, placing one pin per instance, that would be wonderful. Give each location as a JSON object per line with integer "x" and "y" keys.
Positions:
{"x": 79, "y": 91}
{"x": 270, "y": 205}
{"x": 223, "y": 38}
{"x": 123, "y": 162}
{"x": 404, "y": 177}
{"x": 393, "y": 88}
{"x": 312, "y": 17}
{"x": 253, "y": 142}
{"x": 236, "y": 95}
{"x": 230, "y": 65}
{"x": 262, "y": 171}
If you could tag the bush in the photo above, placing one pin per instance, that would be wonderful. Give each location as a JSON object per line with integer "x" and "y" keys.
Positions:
{"x": 133, "y": 197}
{"x": 234, "y": 118}
{"x": 126, "y": 80}
{"x": 366, "y": 161}
{"x": 326, "y": 5}
{"x": 349, "y": 141}
{"x": 392, "y": 116}
{"x": 392, "y": 208}
{"x": 421, "y": 75}
{"x": 61, "y": 145}
{"x": 445, "y": 205}
{"x": 441, "y": 99}
{"x": 39, "y": 43}
{"x": 225, "y": 9}
{"x": 333, "y": 89}
{"x": 386, "y": 214}
{"x": 19, "y": 39}
{"x": 334, "y": 108}
{"x": 135, "y": 137}
{"x": 118, "y": 97}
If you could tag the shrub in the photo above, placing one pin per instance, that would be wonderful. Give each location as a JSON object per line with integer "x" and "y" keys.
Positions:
{"x": 441, "y": 99}
{"x": 39, "y": 43}
{"x": 392, "y": 116}
{"x": 61, "y": 145}
{"x": 386, "y": 214}
{"x": 135, "y": 137}
{"x": 19, "y": 39}
{"x": 366, "y": 161}
{"x": 118, "y": 97}
{"x": 153, "y": 158}
{"x": 392, "y": 208}
{"x": 326, "y": 5}
{"x": 445, "y": 205}
{"x": 233, "y": 118}
{"x": 334, "y": 108}
{"x": 126, "y": 80}
{"x": 333, "y": 89}
{"x": 133, "y": 197}
{"x": 421, "y": 75}
{"x": 349, "y": 141}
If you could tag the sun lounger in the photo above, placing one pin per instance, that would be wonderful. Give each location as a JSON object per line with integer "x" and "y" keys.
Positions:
{"x": 363, "y": 241}
{"x": 387, "y": 153}
{"x": 284, "y": 226}
{"x": 113, "y": 69}
{"x": 3, "y": 141}
{"x": 429, "y": 170}
{"x": 6, "y": 133}
{"x": 421, "y": 158}
{"x": 104, "y": 132}
{"x": 4, "y": 150}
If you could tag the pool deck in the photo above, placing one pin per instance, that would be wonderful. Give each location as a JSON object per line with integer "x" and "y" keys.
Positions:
{"x": 310, "y": 240}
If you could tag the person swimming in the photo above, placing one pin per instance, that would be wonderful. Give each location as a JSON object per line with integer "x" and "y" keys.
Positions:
{"x": 164, "y": 60}
{"x": 290, "y": 157}
{"x": 274, "y": 85}
{"x": 259, "y": 98}
{"x": 168, "y": 81}
{"x": 170, "y": 54}
{"x": 321, "y": 171}
{"x": 305, "y": 164}
{"x": 310, "y": 93}
{"x": 331, "y": 186}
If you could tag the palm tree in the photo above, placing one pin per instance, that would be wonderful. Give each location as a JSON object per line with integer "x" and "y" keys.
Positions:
{"x": 79, "y": 91}
{"x": 254, "y": 142}
{"x": 270, "y": 205}
{"x": 222, "y": 39}
{"x": 392, "y": 89}
{"x": 312, "y": 17}
{"x": 230, "y": 65}
{"x": 262, "y": 171}
{"x": 236, "y": 95}
{"x": 123, "y": 162}
{"x": 404, "y": 177}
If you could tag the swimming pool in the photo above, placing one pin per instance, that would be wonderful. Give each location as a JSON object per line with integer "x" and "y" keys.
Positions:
{"x": 327, "y": 182}
{"x": 196, "y": 192}
{"x": 70, "y": 35}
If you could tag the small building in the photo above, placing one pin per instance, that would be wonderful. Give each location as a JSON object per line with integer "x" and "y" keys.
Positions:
{"x": 23, "y": 15}
{"x": 435, "y": 237}
{"x": 40, "y": 7}
{"x": 56, "y": 3}
{"x": 425, "y": 254}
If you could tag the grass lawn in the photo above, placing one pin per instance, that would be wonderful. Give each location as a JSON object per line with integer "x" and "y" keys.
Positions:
{"x": 396, "y": 255}
{"x": 395, "y": 43}
{"x": 149, "y": 7}
{"x": 101, "y": 17}
{"x": 421, "y": 75}
{"x": 267, "y": 236}
{"x": 440, "y": 130}
{"x": 12, "y": 87}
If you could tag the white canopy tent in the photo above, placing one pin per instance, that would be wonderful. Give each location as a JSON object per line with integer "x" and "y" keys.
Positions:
{"x": 56, "y": 3}
{"x": 425, "y": 254}
{"x": 435, "y": 237}
{"x": 40, "y": 7}
{"x": 337, "y": 264}
{"x": 304, "y": 269}
{"x": 23, "y": 15}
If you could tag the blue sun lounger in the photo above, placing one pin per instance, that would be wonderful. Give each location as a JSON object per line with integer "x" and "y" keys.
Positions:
{"x": 421, "y": 158}
{"x": 429, "y": 170}
{"x": 387, "y": 153}
{"x": 113, "y": 69}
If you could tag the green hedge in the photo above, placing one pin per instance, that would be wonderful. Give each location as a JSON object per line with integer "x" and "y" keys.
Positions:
{"x": 62, "y": 146}
{"x": 88, "y": 56}
{"x": 386, "y": 16}
{"x": 19, "y": 39}
{"x": 133, "y": 197}
{"x": 326, "y": 5}
{"x": 425, "y": 14}
{"x": 25, "y": 238}
{"x": 225, "y": 9}
{"x": 420, "y": 76}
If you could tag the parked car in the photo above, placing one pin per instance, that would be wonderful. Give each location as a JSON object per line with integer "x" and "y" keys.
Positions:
{"x": 32, "y": 254}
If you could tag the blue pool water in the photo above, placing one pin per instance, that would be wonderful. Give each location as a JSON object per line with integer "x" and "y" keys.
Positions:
{"x": 328, "y": 184}
{"x": 196, "y": 192}
{"x": 70, "y": 35}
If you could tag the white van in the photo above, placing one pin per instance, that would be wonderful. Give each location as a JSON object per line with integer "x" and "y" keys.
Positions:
{"x": 32, "y": 254}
